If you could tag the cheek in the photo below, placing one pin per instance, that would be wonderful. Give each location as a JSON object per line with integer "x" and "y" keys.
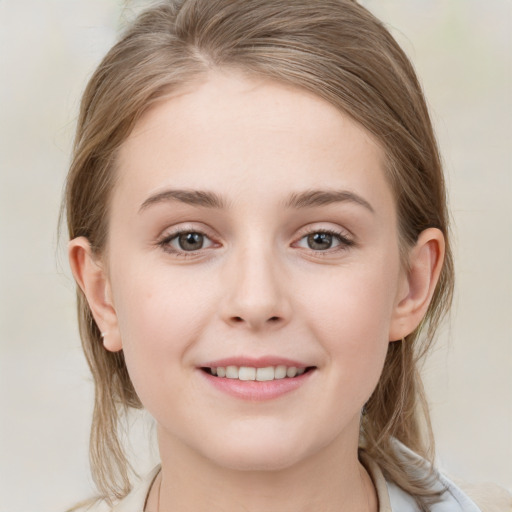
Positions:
{"x": 350, "y": 316}
{"x": 157, "y": 324}
{"x": 158, "y": 305}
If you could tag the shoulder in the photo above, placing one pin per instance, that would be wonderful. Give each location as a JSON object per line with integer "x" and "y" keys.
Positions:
{"x": 463, "y": 497}
{"x": 455, "y": 498}
{"x": 92, "y": 505}
{"x": 133, "y": 502}
{"x": 489, "y": 497}
{"x": 452, "y": 497}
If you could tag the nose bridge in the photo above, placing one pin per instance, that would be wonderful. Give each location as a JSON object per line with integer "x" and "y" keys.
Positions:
{"x": 256, "y": 295}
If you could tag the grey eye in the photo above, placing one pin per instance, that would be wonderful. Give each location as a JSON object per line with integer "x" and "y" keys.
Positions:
{"x": 324, "y": 241}
{"x": 182, "y": 242}
{"x": 319, "y": 241}
{"x": 190, "y": 241}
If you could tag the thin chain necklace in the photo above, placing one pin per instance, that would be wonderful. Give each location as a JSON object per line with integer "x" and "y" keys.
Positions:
{"x": 159, "y": 489}
{"x": 364, "y": 482}
{"x": 367, "y": 486}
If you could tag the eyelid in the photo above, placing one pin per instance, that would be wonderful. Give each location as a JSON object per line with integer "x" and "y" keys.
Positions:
{"x": 344, "y": 236}
{"x": 169, "y": 234}
{"x": 326, "y": 227}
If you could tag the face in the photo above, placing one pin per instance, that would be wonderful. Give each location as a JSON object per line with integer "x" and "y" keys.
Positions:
{"x": 252, "y": 231}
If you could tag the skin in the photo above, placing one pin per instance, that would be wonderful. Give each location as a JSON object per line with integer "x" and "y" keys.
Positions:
{"x": 257, "y": 287}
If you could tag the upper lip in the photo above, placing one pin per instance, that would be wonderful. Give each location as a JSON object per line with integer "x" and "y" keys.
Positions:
{"x": 255, "y": 362}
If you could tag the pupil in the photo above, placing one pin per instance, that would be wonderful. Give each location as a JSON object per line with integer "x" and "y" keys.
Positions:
{"x": 191, "y": 241}
{"x": 320, "y": 241}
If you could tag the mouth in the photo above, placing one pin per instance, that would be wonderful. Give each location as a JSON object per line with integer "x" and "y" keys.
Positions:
{"x": 257, "y": 379}
{"x": 258, "y": 374}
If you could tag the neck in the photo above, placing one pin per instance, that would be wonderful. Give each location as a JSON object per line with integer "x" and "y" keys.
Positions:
{"x": 332, "y": 480}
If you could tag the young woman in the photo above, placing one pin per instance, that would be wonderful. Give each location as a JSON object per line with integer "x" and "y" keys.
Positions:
{"x": 259, "y": 233}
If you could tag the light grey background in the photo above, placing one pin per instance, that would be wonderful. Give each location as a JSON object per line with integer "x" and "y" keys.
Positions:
{"x": 49, "y": 48}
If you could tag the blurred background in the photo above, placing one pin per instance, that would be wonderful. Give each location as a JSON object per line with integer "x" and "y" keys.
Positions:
{"x": 462, "y": 50}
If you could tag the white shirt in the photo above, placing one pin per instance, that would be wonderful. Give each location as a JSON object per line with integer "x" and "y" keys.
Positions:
{"x": 391, "y": 497}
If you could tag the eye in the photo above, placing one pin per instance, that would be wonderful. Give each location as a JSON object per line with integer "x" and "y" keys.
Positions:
{"x": 186, "y": 241}
{"x": 319, "y": 241}
{"x": 190, "y": 241}
{"x": 324, "y": 240}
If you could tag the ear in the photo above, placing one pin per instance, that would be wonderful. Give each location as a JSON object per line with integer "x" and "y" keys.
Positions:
{"x": 90, "y": 274}
{"x": 418, "y": 283}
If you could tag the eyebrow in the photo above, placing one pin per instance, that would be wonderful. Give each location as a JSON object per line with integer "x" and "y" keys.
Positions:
{"x": 312, "y": 198}
{"x": 192, "y": 197}
{"x": 206, "y": 199}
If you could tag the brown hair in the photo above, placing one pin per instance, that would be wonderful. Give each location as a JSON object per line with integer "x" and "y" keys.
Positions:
{"x": 333, "y": 48}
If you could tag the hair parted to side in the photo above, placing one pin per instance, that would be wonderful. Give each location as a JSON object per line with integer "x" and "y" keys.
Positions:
{"x": 335, "y": 49}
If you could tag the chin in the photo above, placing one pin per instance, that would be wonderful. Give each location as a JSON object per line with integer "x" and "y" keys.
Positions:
{"x": 273, "y": 453}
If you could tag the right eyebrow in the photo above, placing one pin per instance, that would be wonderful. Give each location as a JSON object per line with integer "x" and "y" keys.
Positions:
{"x": 314, "y": 198}
{"x": 193, "y": 197}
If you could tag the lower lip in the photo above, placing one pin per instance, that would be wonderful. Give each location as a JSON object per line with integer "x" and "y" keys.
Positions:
{"x": 255, "y": 390}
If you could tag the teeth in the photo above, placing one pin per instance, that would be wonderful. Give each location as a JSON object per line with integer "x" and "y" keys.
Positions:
{"x": 246, "y": 373}
{"x": 258, "y": 374}
{"x": 231, "y": 372}
{"x": 291, "y": 371}
{"x": 280, "y": 372}
{"x": 263, "y": 374}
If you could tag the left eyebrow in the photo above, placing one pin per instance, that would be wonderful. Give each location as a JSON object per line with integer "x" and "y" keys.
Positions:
{"x": 311, "y": 198}
{"x": 200, "y": 198}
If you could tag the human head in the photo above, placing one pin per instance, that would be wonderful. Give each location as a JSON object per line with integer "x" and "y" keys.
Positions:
{"x": 333, "y": 48}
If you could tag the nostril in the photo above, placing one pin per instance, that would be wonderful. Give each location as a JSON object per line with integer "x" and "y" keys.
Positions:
{"x": 234, "y": 320}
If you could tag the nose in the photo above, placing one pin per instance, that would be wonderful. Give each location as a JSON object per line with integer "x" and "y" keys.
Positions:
{"x": 255, "y": 292}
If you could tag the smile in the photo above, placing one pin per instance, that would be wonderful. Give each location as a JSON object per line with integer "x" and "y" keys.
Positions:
{"x": 248, "y": 373}
{"x": 256, "y": 379}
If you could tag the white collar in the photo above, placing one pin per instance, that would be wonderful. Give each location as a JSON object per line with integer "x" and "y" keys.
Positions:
{"x": 391, "y": 497}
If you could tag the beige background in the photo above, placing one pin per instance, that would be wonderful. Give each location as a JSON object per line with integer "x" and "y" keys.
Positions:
{"x": 462, "y": 51}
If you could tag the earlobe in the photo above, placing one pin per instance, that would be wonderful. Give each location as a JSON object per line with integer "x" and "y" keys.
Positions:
{"x": 90, "y": 275}
{"x": 420, "y": 280}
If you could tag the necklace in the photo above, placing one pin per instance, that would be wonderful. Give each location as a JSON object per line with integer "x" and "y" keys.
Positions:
{"x": 366, "y": 481}
{"x": 153, "y": 497}
{"x": 368, "y": 488}
{"x": 158, "y": 496}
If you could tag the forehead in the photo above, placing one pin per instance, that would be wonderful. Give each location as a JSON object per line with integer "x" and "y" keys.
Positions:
{"x": 247, "y": 135}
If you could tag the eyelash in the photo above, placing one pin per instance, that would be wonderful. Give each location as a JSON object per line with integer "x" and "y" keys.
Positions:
{"x": 165, "y": 242}
{"x": 341, "y": 237}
